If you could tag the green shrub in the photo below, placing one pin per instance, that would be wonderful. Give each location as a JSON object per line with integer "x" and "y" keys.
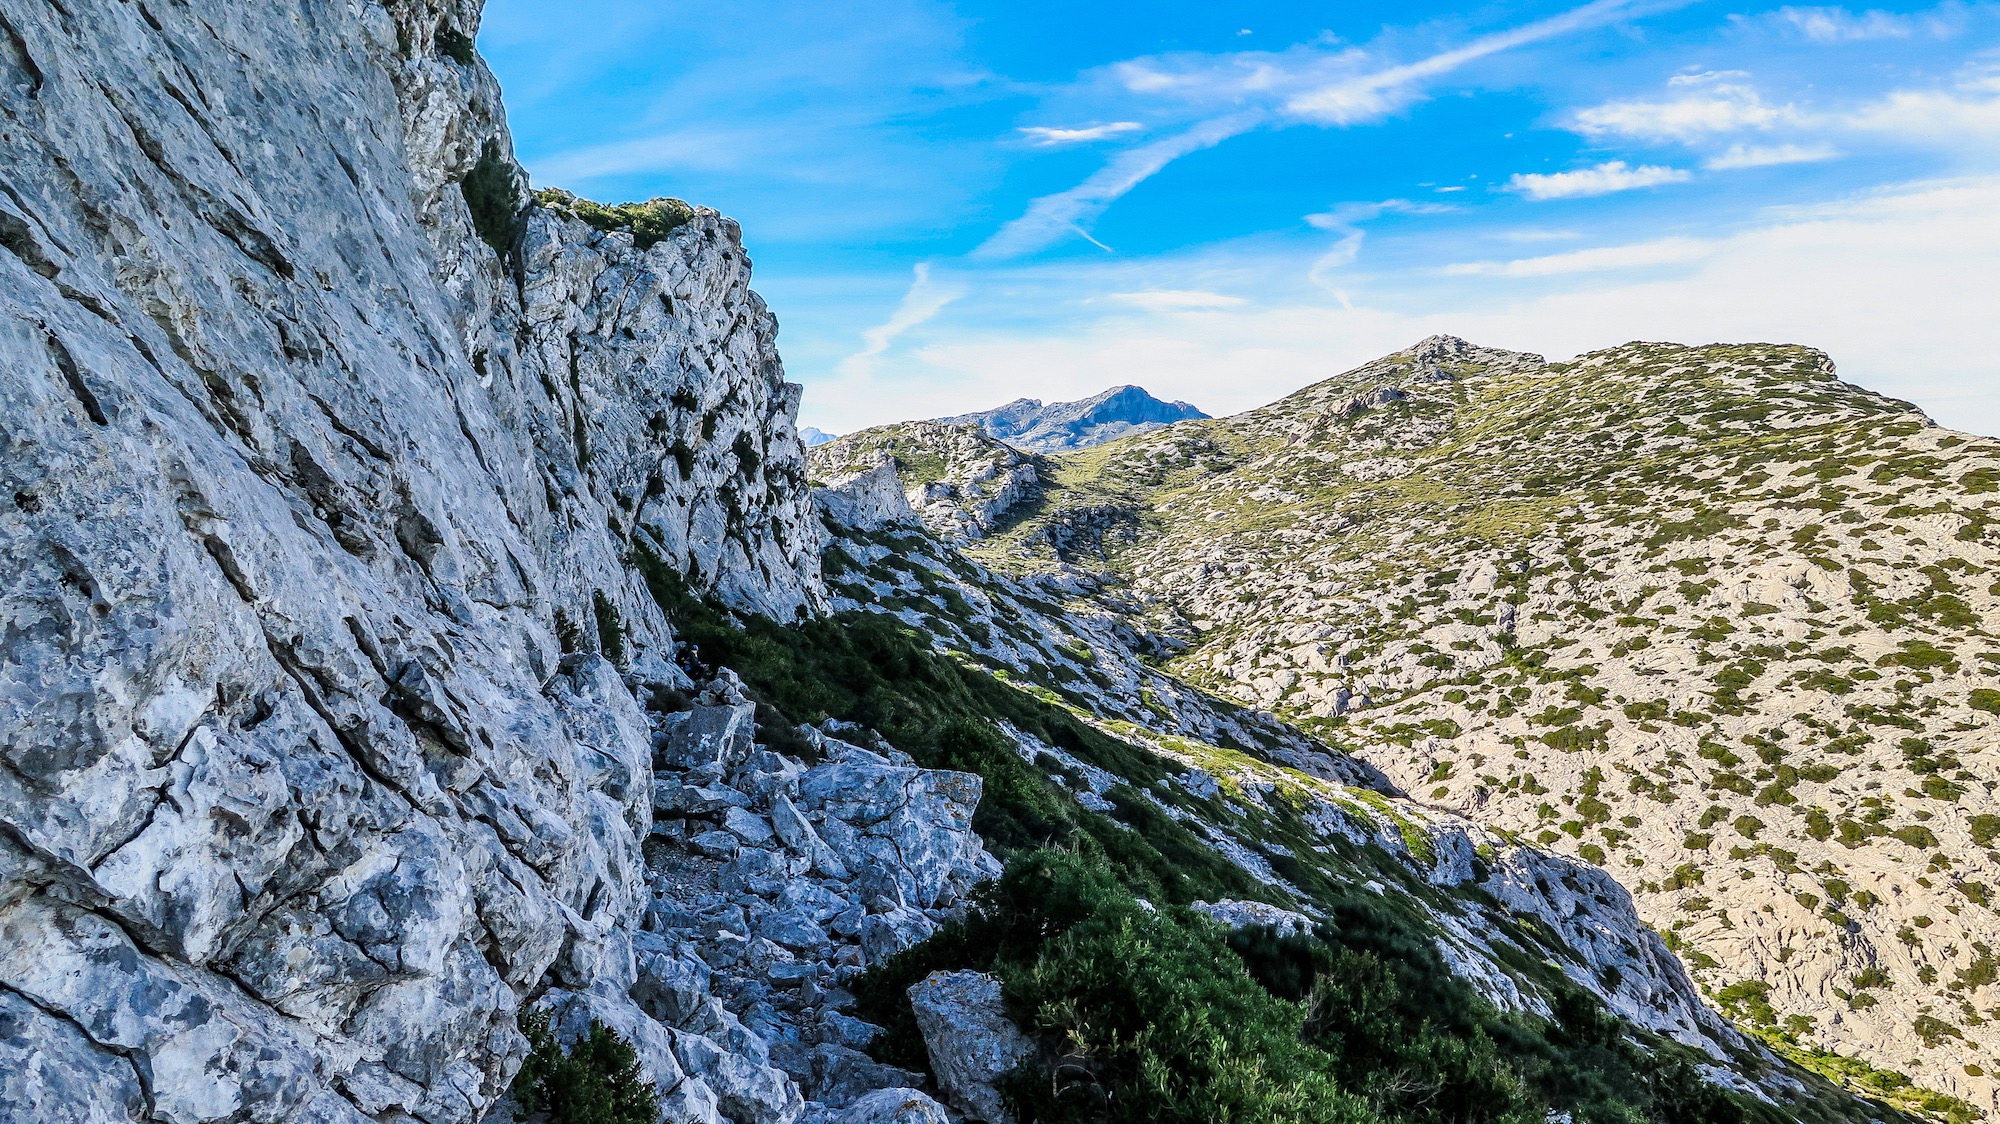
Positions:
{"x": 1985, "y": 828}
{"x": 598, "y": 1081}
{"x": 455, "y": 45}
{"x": 610, "y": 628}
{"x": 1986, "y": 699}
{"x": 493, "y": 195}
{"x": 1156, "y": 1015}
{"x": 649, "y": 223}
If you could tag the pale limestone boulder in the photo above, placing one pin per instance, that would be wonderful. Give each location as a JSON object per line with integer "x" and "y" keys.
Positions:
{"x": 971, "y": 1042}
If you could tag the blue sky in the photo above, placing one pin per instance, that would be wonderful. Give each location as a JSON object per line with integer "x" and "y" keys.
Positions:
{"x": 952, "y": 205}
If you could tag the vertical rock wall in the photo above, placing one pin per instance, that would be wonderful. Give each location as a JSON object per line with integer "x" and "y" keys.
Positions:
{"x": 317, "y": 511}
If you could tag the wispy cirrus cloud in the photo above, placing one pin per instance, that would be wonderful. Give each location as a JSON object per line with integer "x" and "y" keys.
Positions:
{"x": 1611, "y": 176}
{"x": 1328, "y": 87}
{"x": 1178, "y": 300}
{"x": 1838, "y": 25}
{"x": 1963, "y": 112}
{"x": 1045, "y": 136}
{"x": 1717, "y": 107}
{"x": 1055, "y": 216}
{"x": 1768, "y": 155}
{"x": 921, "y": 302}
{"x": 1638, "y": 255}
{"x": 1373, "y": 95}
{"x": 1346, "y": 221}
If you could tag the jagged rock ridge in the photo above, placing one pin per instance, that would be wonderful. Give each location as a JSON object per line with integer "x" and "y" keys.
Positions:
{"x": 1026, "y": 423}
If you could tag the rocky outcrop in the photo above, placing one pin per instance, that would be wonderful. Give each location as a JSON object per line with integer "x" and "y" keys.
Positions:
{"x": 1026, "y": 423}
{"x": 971, "y": 1042}
{"x": 963, "y": 485}
{"x": 772, "y": 882}
{"x": 322, "y": 750}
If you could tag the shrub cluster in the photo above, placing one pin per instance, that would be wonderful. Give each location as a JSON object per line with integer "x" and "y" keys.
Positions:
{"x": 648, "y": 223}
{"x": 1149, "y": 1013}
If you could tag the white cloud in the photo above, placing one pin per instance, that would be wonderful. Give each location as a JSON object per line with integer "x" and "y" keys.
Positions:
{"x": 1367, "y": 96}
{"x": 1603, "y": 179}
{"x": 1045, "y": 136}
{"x": 1700, "y": 78}
{"x": 1764, "y": 156}
{"x": 1722, "y": 107}
{"x": 920, "y": 303}
{"x": 1964, "y": 116}
{"x": 1969, "y": 111}
{"x": 1538, "y": 234}
{"x": 1638, "y": 255}
{"x": 1838, "y": 25}
{"x": 1345, "y": 220}
{"x": 1177, "y": 300}
{"x": 1880, "y": 282}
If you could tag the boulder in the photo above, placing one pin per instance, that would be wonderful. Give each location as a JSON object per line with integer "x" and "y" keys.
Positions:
{"x": 971, "y": 1042}
{"x": 894, "y": 1106}
{"x": 1246, "y": 915}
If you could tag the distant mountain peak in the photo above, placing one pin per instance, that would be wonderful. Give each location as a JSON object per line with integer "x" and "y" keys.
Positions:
{"x": 1028, "y": 423}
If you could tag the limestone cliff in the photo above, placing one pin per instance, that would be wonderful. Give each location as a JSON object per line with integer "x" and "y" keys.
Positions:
{"x": 317, "y": 507}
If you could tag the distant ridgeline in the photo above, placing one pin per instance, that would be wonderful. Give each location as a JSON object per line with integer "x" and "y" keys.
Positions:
{"x": 1026, "y": 423}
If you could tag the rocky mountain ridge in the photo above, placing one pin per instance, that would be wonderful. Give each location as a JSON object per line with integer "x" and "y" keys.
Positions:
{"x": 1030, "y": 425}
{"x": 1706, "y": 617}
{"x": 321, "y": 508}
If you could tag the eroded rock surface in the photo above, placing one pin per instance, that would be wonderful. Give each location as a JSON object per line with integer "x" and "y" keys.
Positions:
{"x": 317, "y": 701}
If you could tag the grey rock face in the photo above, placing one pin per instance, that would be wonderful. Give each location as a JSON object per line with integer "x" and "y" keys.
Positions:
{"x": 955, "y": 479}
{"x": 970, "y": 1040}
{"x": 1026, "y": 423}
{"x": 773, "y": 886}
{"x": 895, "y": 1106}
{"x": 318, "y": 512}
{"x": 1246, "y": 915}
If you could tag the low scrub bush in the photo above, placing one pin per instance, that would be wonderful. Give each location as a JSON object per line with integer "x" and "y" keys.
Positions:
{"x": 649, "y": 223}
{"x": 596, "y": 1081}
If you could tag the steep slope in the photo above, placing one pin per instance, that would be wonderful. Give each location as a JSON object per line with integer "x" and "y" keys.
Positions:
{"x": 1707, "y": 617}
{"x": 1306, "y": 824}
{"x": 1026, "y": 423}
{"x": 316, "y": 507}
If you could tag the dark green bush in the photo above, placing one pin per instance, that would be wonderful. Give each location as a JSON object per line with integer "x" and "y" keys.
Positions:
{"x": 1145, "y": 1013}
{"x": 598, "y": 1081}
{"x": 492, "y": 194}
{"x": 455, "y": 45}
{"x": 1157, "y": 1015}
{"x": 610, "y": 628}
